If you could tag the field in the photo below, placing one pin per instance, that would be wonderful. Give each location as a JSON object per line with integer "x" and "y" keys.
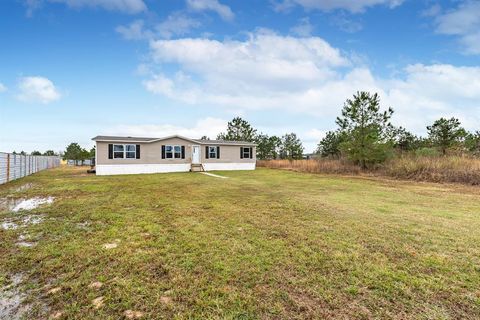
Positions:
{"x": 268, "y": 244}
{"x": 450, "y": 169}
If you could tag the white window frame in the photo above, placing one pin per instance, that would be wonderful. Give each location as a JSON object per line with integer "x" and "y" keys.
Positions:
{"x": 210, "y": 152}
{"x": 173, "y": 152}
{"x": 124, "y": 152}
{"x": 134, "y": 152}
{"x": 247, "y": 149}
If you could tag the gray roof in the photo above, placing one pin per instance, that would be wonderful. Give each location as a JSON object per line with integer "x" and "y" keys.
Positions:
{"x": 115, "y": 138}
{"x": 149, "y": 140}
{"x": 223, "y": 142}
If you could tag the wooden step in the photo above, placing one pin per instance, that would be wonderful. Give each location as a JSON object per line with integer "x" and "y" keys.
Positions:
{"x": 196, "y": 167}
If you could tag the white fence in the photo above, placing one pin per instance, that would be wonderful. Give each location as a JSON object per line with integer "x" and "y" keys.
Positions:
{"x": 15, "y": 166}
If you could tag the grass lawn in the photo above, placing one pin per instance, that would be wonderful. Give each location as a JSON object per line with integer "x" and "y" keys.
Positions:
{"x": 268, "y": 244}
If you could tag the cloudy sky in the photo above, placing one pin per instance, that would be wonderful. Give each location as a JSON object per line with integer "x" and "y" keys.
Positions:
{"x": 73, "y": 69}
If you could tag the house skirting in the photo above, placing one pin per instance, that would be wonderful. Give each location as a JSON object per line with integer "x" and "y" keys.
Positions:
{"x": 110, "y": 169}
{"x": 114, "y": 169}
{"x": 229, "y": 166}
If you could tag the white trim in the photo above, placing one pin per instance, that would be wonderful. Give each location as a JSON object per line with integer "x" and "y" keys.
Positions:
{"x": 111, "y": 169}
{"x": 229, "y": 166}
{"x": 214, "y": 151}
{"x": 124, "y": 145}
{"x": 173, "y": 152}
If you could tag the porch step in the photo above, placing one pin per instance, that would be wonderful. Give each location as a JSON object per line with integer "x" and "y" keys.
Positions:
{"x": 197, "y": 167}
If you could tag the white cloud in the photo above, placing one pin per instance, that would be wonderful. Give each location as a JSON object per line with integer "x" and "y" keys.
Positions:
{"x": 430, "y": 91}
{"x": 353, "y": 6}
{"x": 346, "y": 24}
{"x": 464, "y": 21}
{"x": 135, "y": 31}
{"x": 315, "y": 135}
{"x": 174, "y": 25}
{"x": 37, "y": 89}
{"x": 208, "y": 126}
{"x": 304, "y": 28}
{"x": 125, "y": 6}
{"x": 222, "y": 10}
{"x": 264, "y": 71}
{"x": 432, "y": 11}
{"x": 2, "y": 87}
{"x": 305, "y": 76}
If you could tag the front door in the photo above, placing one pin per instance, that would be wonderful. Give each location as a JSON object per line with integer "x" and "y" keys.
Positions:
{"x": 195, "y": 154}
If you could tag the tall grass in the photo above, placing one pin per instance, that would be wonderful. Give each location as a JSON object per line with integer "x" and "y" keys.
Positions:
{"x": 313, "y": 166}
{"x": 436, "y": 169}
{"x": 455, "y": 169}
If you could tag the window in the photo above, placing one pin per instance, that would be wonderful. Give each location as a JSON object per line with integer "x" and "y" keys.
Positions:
{"x": 130, "y": 151}
{"x": 168, "y": 152}
{"x": 246, "y": 153}
{"x": 124, "y": 151}
{"x": 118, "y": 150}
{"x": 178, "y": 152}
{"x": 173, "y": 152}
{"x": 212, "y": 152}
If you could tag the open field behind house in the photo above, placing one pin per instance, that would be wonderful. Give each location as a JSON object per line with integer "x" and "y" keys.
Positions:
{"x": 450, "y": 169}
{"x": 265, "y": 244}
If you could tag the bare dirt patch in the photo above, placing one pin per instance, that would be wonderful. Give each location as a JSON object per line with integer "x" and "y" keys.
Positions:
{"x": 95, "y": 285}
{"x": 16, "y": 205}
{"x": 9, "y": 225}
{"x": 98, "y": 302}
{"x": 130, "y": 314}
{"x": 13, "y": 224}
{"x": 11, "y": 300}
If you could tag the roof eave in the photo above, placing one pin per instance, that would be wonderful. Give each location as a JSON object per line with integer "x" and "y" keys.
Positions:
{"x": 206, "y": 142}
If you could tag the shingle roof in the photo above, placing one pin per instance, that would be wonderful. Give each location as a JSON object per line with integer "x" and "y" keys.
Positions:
{"x": 149, "y": 140}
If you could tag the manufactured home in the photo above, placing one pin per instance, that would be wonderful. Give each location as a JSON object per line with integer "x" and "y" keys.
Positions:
{"x": 134, "y": 155}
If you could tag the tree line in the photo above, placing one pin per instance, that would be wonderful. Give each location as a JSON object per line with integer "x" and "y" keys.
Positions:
{"x": 366, "y": 136}
{"x": 287, "y": 146}
{"x": 37, "y": 153}
{"x": 75, "y": 152}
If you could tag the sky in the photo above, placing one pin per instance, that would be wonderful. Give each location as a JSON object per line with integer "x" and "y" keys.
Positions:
{"x": 74, "y": 69}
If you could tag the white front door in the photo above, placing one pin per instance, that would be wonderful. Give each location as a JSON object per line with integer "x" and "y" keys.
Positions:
{"x": 196, "y": 154}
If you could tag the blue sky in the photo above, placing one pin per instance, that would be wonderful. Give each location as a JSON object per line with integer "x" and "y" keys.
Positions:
{"x": 73, "y": 69}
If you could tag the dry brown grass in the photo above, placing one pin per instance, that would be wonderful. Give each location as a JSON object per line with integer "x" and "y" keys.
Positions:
{"x": 312, "y": 166}
{"x": 456, "y": 169}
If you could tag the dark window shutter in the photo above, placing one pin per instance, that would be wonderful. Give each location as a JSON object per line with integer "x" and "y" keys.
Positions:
{"x": 163, "y": 152}
{"x": 110, "y": 151}
{"x": 241, "y": 152}
{"x": 218, "y": 152}
{"x": 137, "y": 148}
{"x": 183, "y": 152}
{"x": 206, "y": 152}
{"x": 251, "y": 153}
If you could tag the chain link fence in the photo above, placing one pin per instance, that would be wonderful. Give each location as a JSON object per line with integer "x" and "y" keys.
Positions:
{"x": 15, "y": 166}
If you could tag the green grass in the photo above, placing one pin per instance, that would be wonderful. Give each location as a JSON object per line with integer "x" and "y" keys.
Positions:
{"x": 268, "y": 244}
